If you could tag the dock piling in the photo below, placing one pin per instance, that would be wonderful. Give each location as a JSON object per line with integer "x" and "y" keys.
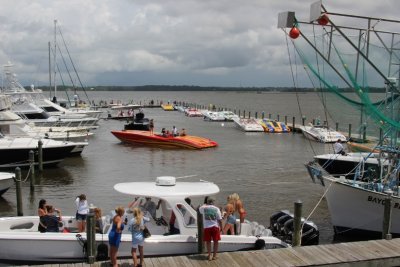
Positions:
{"x": 387, "y": 217}
{"x": 91, "y": 236}
{"x": 40, "y": 155}
{"x": 200, "y": 229}
{"x": 296, "y": 238}
{"x": 349, "y": 131}
{"x": 17, "y": 179}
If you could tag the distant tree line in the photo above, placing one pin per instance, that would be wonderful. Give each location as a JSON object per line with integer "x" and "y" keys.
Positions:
{"x": 202, "y": 88}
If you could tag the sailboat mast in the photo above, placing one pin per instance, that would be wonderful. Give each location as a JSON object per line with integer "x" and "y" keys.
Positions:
{"x": 54, "y": 60}
{"x": 49, "y": 69}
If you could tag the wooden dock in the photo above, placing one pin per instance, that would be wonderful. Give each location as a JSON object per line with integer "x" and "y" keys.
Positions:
{"x": 364, "y": 253}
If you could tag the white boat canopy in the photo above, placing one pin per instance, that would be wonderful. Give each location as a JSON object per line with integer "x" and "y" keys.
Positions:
{"x": 166, "y": 187}
{"x": 130, "y": 106}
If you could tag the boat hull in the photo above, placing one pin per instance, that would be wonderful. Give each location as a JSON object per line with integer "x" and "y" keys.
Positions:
{"x": 359, "y": 209}
{"x": 6, "y": 181}
{"x": 146, "y": 138}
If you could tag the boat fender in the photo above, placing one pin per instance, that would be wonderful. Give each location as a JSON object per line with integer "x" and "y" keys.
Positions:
{"x": 259, "y": 244}
{"x": 102, "y": 252}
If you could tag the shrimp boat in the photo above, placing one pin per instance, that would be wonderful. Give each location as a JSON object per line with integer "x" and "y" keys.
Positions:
{"x": 159, "y": 140}
{"x": 357, "y": 200}
{"x": 17, "y": 234}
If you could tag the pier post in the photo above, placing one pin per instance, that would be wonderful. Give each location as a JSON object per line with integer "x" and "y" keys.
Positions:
{"x": 364, "y": 129}
{"x": 387, "y": 217}
{"x": 277, "y": 117}
{"x": 262, "y": 115}
{"x": 249, "y": 114}
{"x": 313, "y": 121}
{"x": 269, "y": 116}
{"x": 349, "y": 131}
{"x": 303, "y": 120}
{"x": 91, "y": 236}
{"x": 380, "y": 134}
{"x": 239, "y": 113}
{"x": 40, "y": 155}
{"x": 244, "y": 114}
{"x": 285, "y": 119}
{"x": 296, "y": 238}
{"x": 337, "y": 126}
{"x": 200, "y": 230}
{"x": 293, "y": 123}
{"x": 18, "y": 191}
{"x": 256, "y": 115}
{"x": 32, "y": 169}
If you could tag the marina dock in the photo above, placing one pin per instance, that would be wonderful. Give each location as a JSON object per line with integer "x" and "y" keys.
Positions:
{"x": 364, "y": 253}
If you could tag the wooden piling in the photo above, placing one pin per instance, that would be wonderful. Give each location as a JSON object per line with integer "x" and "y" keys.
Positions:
{"x": 364, "y": 136}
{"x": 256, "y": 115}
{"x": 387, "y": 217}
{"x": 200, "y": 230}
{"x": 337, "y": 126}
{"x": 32, "y": 169}
{"x": 249, "y": 114}
{"x": 349, "y": 131}
{"x": 40, "y": 155}
{"x": 285, "y": 119}
{"x": 91, "y": 236}
{"x": 17, "y": 179}
{"x": 277, "y": 117}
{"x": 296, "y": 238}
{"x": 303, "y": 120}
{"x": 293, "y": 124}
{"x": 262, "y": 115}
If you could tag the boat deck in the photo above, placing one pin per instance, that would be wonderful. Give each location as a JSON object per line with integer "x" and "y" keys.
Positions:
{"x": 365, "y": 253}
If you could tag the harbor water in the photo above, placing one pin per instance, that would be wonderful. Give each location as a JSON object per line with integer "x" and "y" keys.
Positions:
{"x": 266, "y": 170}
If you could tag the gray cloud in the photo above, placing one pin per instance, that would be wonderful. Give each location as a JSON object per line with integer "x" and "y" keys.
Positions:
{"x": 132, "y": 42}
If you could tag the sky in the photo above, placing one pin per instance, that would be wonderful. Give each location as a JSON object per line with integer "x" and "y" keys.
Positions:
{"x": 233, "y": 43}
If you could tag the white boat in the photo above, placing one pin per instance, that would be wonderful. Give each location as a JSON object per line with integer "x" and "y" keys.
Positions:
{"x": 229, "y": 115}
{"x": 6, "y": 181}
{"x": 193, "y": 112}
{"x": 322, "y": 133}
{"x": 248, "y": 125}
{"x": 352, "y": 164}
{"x": 17, "y": 234}
{"x": 356, "y": 207}
{"x": 213, "y": 116}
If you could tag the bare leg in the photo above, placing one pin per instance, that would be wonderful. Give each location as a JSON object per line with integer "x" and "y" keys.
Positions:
{"x": 134, "y": 257}
{"x": 208, "y": 244}
{"x": 83, "y": 226}
{"x": 79, "y": 223}
{"x": 215, "y": 249}
{"x": 113, "y": 256}
{"x": 141, "y": 255}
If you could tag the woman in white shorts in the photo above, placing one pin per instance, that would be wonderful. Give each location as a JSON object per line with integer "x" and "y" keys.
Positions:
{"x": 136, "y": 226}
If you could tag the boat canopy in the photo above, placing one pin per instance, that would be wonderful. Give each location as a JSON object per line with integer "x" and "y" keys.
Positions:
{"x": 178, "y": 189}
{"x": 130, "y": 106}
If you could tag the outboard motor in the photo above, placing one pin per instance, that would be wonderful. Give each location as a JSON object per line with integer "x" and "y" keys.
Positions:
{"x": 282, "y": 227}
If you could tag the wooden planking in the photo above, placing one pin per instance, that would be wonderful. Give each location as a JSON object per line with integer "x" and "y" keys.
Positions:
{"x": 364, "y": 253}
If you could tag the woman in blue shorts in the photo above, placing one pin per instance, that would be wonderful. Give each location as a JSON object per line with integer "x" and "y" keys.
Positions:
{"x": 136, "y": 226}
{"x": 114, "y": 236}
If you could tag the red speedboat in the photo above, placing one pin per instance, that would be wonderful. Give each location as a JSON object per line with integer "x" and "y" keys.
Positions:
{"x": 155, "y": 139}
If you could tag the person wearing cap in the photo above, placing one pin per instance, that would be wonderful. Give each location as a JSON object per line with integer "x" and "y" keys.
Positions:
{"x": 212, "y": 221}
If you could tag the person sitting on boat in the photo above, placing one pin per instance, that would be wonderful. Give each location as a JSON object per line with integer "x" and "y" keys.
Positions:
{"x": 338, "y": 148}
{"x": 42, "y": 212}
{"x": 99, "y": 221}
{"x": 51, "y": 220}
{"x": 175, "y": 131}
{"x": 163, "y": 132}
{"x": 183, "y": 132}
{"x": 173, "y": 222}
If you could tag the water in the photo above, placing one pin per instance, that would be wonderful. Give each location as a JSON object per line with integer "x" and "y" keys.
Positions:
{"x": 266, "y": 170}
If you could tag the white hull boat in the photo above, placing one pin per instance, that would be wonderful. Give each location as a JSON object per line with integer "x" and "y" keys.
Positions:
{"x": 6, "y": 181}
{"x": 248, "y": 125}
{"x": 229, "y": 115}
{"x": 213, "y": 116}
{"x": 17, "y": 234}
{"x": 322, "y": 134}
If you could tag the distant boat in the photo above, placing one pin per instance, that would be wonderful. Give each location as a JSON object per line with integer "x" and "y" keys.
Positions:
{"x": 168, "y": 107}
{"x": 248, "y": 125}
{"x": 322, "y": 133}
{"x": 272, "y": 126}
{"x": 156, "y": 139}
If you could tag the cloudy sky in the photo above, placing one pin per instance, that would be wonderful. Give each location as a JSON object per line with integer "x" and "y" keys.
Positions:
{"x": 172, "y": 42}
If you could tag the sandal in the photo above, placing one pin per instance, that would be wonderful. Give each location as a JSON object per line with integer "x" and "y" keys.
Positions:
{"x": 210, "y": 258}
{"x": 214, "y": 258}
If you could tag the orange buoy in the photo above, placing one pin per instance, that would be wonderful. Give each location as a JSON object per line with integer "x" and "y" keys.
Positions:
{"x": 294, "y": 33}
{"x": 323, "y": 19}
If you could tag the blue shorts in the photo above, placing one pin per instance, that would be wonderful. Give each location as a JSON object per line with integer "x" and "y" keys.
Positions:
{"x": 80, "y": 217}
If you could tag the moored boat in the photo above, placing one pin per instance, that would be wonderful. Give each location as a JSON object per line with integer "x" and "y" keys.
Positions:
{"x": 156, "y": 139}
{"x": 168, "y": 107}
{"x": 322, "y": 133}
{"x": 248, "y": 125}
{"x": 17, "y": 234}
{"x": 6, "y": 181}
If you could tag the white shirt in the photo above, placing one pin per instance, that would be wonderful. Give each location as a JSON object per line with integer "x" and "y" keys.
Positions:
{"x": 338, "y": 147}
{"x": 82, "y": 206}
{"x": 211, "y": 215}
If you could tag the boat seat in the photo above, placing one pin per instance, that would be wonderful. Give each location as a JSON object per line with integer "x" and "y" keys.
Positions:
{"x": 245, "y": 229}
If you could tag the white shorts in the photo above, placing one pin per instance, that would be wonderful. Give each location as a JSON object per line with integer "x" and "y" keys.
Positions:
{"x": 135, "y": 245}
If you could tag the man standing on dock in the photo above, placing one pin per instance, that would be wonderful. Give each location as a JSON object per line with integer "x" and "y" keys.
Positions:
{"x": 212, "y": 226}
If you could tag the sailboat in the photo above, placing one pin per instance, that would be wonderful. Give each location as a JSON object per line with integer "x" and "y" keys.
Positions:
{"x": 356, "y": 199}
